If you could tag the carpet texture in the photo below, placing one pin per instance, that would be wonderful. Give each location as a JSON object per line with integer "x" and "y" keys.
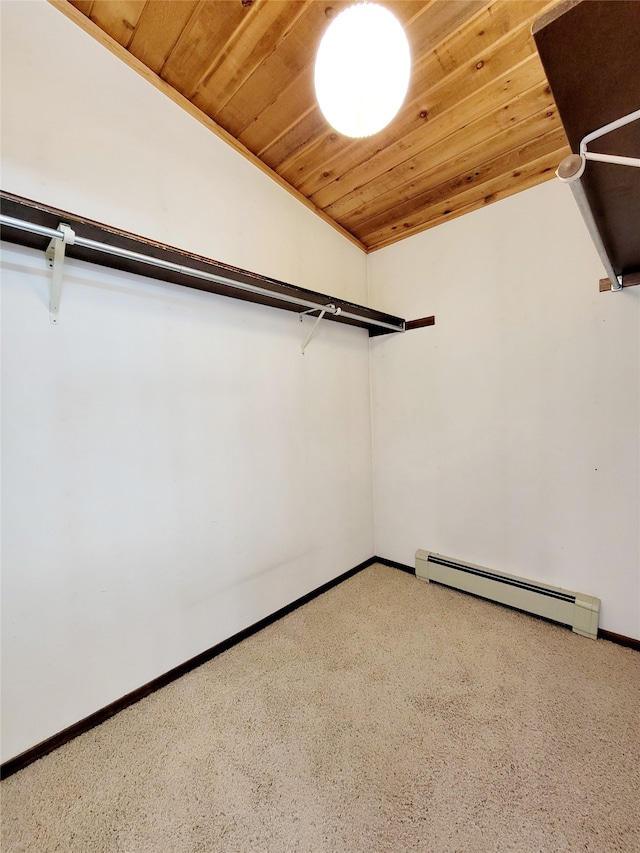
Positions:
{"x": 386, "y": 715}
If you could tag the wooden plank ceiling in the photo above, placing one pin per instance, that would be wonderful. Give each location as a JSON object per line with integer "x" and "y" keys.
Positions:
{"x": 478, "y": 124}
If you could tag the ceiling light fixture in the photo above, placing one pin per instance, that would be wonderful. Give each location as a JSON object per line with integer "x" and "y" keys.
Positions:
{"x": 362, "y": 70}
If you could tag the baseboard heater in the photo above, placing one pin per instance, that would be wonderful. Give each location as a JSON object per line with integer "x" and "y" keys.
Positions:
{"x": 579, "y": 612}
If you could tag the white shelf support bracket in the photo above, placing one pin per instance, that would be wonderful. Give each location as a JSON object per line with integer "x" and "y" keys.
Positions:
{"x": 55, "y": 258}
{"x": 571, "y": 170}
{"x": 602, "y": 131}
{"x": 331, "y": 308}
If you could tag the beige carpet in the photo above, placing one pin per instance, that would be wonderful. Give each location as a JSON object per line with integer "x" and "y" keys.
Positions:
{"x": 386, "y": 715}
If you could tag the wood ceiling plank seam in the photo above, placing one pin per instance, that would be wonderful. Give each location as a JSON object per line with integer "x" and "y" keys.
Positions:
{"x": 538, "y": 172}
{"x": 300, "y": 135}
{"x": 69, "y": 11}
{"x": 543, "y": 171}
{"x": 411, "y": 19}
{"x": 445, "y": 20}
{"x": 135, "y": 27}
{"x": 510, "y": 161}
{"x": 449, "y": 161}
{"x": 118, "y": 18}
{"x": 537, "y": 126}
{"x": 223, "y": 93}
{"x": 484, "y": 128}
{"x": 447, "y": 206}
{"x": 189, "y": 23}
{"x": 83, "y": 6}
{"x": 498, "y": 93}
{"x": 293, "y": 102}
{"x": 158, "y": 31}
{"x": 514, "y": 45}
{"x": 285, "y": 153}
{"x": 276, "y": 72}
{"x": 213, "y": 21}
{"x": 557, "y": 10}
{"x": 507, "y": 164}
{"x": 310, "y": 117}
{"x": 487, "y": 27}
{"x": 517, "y": 43}
{"x": 226, "y": 47}
{"x": 310, "y": 111}
{"x": 283, "y": 113}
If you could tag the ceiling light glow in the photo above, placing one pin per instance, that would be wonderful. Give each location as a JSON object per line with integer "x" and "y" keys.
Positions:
{"x": 362, "y": 70}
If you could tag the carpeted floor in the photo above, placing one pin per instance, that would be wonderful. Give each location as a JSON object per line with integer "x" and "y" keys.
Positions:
{"x": 386, "y": 715}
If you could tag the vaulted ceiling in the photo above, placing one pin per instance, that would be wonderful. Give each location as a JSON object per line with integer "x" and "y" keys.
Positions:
{"x": 478, "y": 124}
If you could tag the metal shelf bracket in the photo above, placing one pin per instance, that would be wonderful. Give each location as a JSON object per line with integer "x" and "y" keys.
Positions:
{"x": 55, "y": 258}
{"x": 331, "y": 308}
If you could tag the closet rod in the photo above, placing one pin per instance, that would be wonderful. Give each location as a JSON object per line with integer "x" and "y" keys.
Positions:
{"x": 159, "y": 263}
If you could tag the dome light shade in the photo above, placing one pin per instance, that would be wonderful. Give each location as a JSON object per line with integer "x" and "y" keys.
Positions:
{"x": 362, "y": 70}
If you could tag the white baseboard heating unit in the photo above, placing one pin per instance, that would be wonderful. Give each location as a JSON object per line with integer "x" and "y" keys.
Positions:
{"x": 579, "y": 612}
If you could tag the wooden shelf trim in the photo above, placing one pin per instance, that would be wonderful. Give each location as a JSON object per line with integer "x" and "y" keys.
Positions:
{"x": 227, "y": 280}
{"x": 420, "y": 323}
{"x": 627, "y": 281}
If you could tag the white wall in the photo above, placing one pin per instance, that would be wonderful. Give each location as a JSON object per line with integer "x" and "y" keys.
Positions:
{"x": 508, "y": 434}
{"x": 173, "y": 468}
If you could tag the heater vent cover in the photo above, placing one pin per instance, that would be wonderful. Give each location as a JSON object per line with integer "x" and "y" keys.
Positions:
{"x": 578, "y": 611}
